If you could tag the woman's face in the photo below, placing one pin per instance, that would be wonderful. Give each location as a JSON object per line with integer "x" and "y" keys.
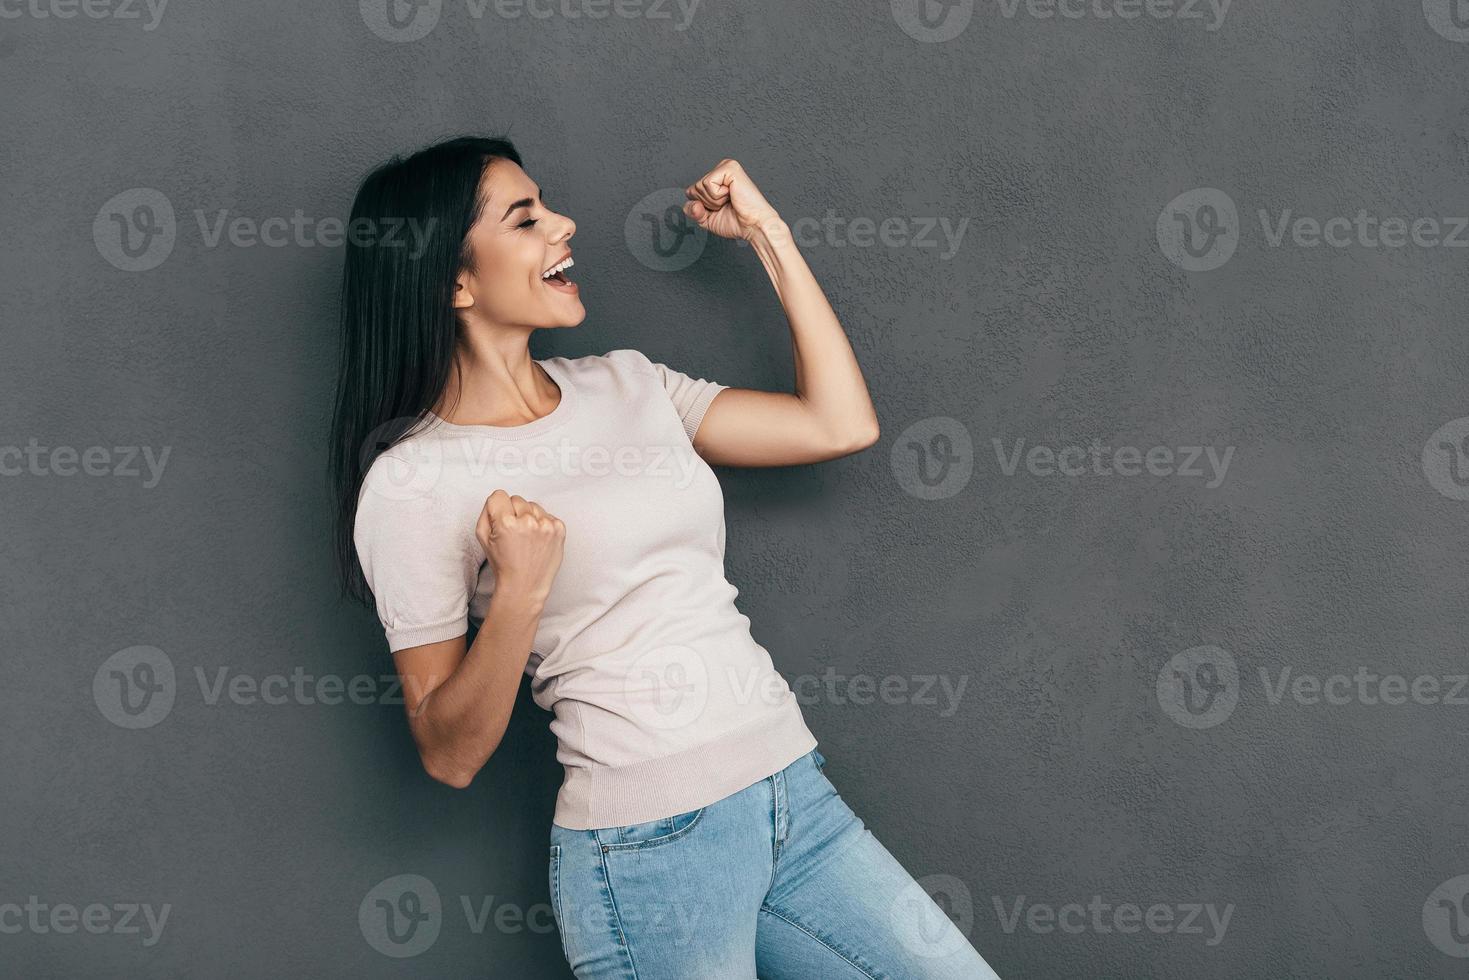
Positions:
{"x": 516, "y": 240}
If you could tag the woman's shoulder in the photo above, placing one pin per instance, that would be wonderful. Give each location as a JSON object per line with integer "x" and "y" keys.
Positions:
{"x": 408, "y": 476}
{"x": 623, "y": 360}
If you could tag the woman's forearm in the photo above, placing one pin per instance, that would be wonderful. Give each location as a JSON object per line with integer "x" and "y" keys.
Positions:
{"x": 828, "y": 378}
{"x": 460, "y": 723}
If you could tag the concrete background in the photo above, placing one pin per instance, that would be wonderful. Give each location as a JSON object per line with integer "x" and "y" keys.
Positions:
{"x": 1115, "y": 741}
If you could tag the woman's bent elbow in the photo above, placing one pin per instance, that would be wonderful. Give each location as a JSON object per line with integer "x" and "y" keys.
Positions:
{"x": 448, "y": 772}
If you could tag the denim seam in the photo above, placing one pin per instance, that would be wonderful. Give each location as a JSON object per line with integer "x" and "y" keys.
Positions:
{"x": 617, "y": 915}
{"x": 556, "y": 897}
{"x": 851, "y": 962}
{"x": 774, "y": 833}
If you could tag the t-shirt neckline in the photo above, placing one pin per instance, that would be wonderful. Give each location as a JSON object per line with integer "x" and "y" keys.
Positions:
{"x": 551, "y": 420}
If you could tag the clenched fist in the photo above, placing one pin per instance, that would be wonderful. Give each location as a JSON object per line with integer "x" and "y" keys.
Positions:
{"x": 522, "y": 543}
{"x": 726, "y": 202}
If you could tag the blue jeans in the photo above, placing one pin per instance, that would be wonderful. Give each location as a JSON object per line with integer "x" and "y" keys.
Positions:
{"x": 780, "y": 881}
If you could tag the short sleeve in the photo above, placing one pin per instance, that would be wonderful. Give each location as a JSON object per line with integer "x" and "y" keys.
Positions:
{"x": 419, "y": 562}
{"x": 690, "y": 396}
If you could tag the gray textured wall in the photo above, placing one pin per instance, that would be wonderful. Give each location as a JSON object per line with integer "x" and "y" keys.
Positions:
{"x": 1147, "y": 729}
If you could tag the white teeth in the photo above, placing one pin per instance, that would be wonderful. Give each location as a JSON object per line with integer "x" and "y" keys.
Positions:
{"x": 557, "y": 268}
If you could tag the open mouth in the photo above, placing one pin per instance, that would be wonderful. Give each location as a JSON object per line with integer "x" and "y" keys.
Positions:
{"x": 555, "y": 277}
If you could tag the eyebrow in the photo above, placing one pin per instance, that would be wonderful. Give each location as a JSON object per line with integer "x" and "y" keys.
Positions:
{"x": 524, "y": 202}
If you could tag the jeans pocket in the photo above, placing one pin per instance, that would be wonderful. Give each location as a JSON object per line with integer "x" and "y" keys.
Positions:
{"x": 819, "y": 759}
{"x": 651, "y": 833}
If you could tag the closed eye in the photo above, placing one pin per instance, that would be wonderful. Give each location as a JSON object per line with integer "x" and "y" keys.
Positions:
{"x": 529, "y": 222}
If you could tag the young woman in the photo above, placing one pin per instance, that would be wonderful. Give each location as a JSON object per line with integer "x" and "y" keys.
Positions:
{"x": 567, "y": 507}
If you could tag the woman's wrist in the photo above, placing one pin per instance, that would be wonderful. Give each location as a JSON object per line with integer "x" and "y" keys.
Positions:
{"x": 509, "y": 599}
{"x": 771, "y": 238}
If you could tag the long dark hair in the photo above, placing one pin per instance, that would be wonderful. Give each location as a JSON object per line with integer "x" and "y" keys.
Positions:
{"x": 398, "y": 327}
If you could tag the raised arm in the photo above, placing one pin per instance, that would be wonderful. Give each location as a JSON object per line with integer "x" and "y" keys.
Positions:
{"x": 830, "y": 413}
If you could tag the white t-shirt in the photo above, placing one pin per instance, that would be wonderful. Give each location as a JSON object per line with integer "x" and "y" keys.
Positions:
{"x": 663, "y": 702}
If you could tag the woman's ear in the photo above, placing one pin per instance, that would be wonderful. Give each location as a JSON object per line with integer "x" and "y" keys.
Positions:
{"x": 463, "y": 298}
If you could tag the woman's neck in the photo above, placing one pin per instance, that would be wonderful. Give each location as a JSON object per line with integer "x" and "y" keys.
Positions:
{"x": 497, "y": 383}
